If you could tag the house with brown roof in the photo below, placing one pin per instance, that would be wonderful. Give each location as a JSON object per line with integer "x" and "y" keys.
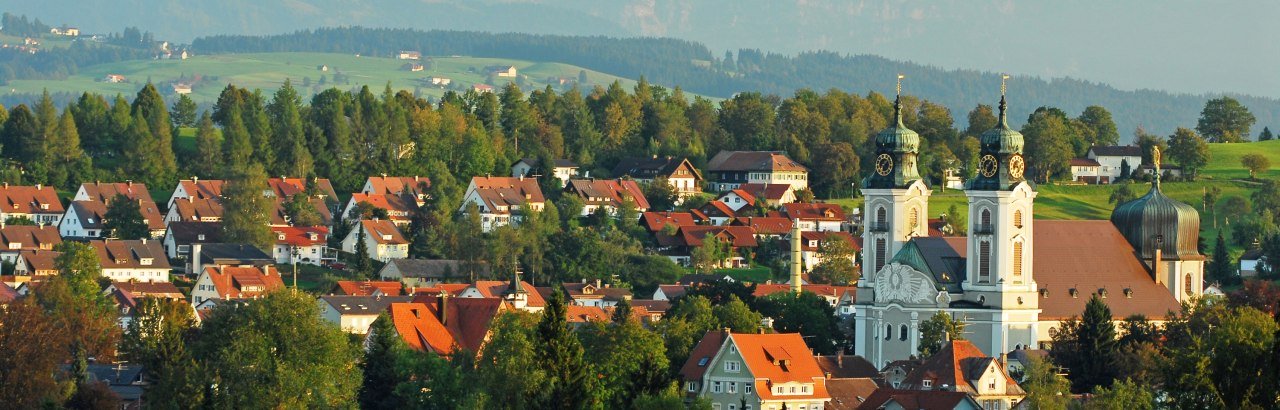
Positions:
{"x": 367, "y": 288}
{"x": 194, "y": 209}
{"x": 765, "y": 226}
{"x": 382, "y": 239}
{"x": 893, "y": 399}
{"x": 595, "y": 294}
{"x": 307, "y": 245}
{"x": 730, "y": 169}
{"x": 38, "y": 203}
{"x": 849, "y": 393}
{"x": 770, "y": 195}
{"x": 717, "y": 213}
{"x": 85, "y": 215}
{"x": 36, "y": 263}
{"x": 658, "y": 221}
{"x": 607, "y": 194}
{"x": 961, "y": 367}
{"x": 816, "y": 217}
{"x": 235, "y": 282}
{"x": 502, "y": 200}
{"x": 129, "y": 295}
{"x": 1088, "y": 171}
{"x": 679, "y": 247}
{"x": 767, "y": 371}
{"x": 400, "y": 207}
{"x": 179, "y": 236}
{"x": 17, "y": 238}
{"x": 561, "y": 169}
{"x": 445, "y": 325}
{"x": 670, "y": 292}
{"x": 196, "y": 188}
{"x": 431, "y": 272}
{"x": 140, "y": 260}
{"x": 679, "y": 172}
{"x": 355, "y": 313}
{"x": 416, "y": 186}
{"x": 524, "y": 297}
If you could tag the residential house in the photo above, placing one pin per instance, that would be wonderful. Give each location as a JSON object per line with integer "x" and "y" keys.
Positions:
{"x": 731, "y": 169}
{"x": 65, "y": 31}
{"x": 774, "y": 227}
{"x": 1088, "y": 171}
{"x": 220, "y": 255}
{"x": 1250, "y": 261}
{"x": 961, "y": 367}
{"x": 301, "y": 245}
{"x": 36, "y": 263}
{"x": 235, "y": 282}
{"x": 811, "y": 247}
{"x": 138, "y": 260}
{"x": 607, "y": 194}
{"x": 670, "y": 292}
{"x": 816, "y": 217}
{"x": 179, "y": 236}
{"x": 766, "y": 371}
{"x": 737, "y": 199}
{"x": 18, "y": 238}
{"x": 578, "y": 315}
{"x": 408, "y": 55}
{"x": 502, "y": 200}
{"x": 382, "y": 240}
{"x": 525, "y": 297}
{"x": 194, "y": 209}
{"x": 182, "y": 88}
{"x": 595, "y": 294}
{"x": 482, "y": 88}
{"x": 893, "y": 399}
{"x": 441, "y": 81}
{"x": 38, "y": 203}
{"x": 717, "y": 213}
{"x": 412, "y": 67}
{"x": 770, "y": 195}
{"x": 445, "y": 325}
{"x": 422, "y": 273}
{"x": 849, "y": 393}
{"x": 505, "y": 71}
{"x": 114, "y": 78}
{"x": 679, "y": 247}
{"x": 655, "y": 309}
{"x": 196, "y": 189}
{"x": 679, "y": 172}
{"x": 85, "y": 216}
{"x": 129, "y": 295}
{"x": 417, "y": 187}
{"x": 656, "y": 222}
{"x": 841, "y": 366}
{"x": 367, "y": 288}
{"x": 399, "y": 207}
{"x": 125, "y": 381}
{"x": 561, "y": 169}
{"x": 354, "y": 314}
{"x": 841, "y": 298}
{"x": 1114, "y": 160}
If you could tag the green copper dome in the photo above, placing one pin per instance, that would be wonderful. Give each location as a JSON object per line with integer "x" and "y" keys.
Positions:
{"x": 897, "y": 138}
{"x": 1155, "y": 220}
{"x": 1000, "y": 166}
{"x": 1002, "y": 139}
{"x": 894, "y": 164}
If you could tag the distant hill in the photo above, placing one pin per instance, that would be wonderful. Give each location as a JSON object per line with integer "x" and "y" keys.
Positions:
{"x": 694, "y": 67}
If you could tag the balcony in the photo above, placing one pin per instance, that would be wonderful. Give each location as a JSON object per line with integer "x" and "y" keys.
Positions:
{"x": 878, "y": 227}
{"x": 983, "y": 229}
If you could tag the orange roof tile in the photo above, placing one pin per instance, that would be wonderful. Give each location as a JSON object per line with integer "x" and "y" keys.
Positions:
{"x": 367, "y": 287}
{"x": 955, "y": 365}
{"x": 1088, "y": 256}
{"x": 25, "y": 199}
{"x": 656, "y": 221}
{"x": 383, "y": 231}
{"x": 301, "y": 236}
{"x": 497, "y": 288}
{"x": 818, "y": 212}
{"x": 607, "y": 192}
{"x": 236, "y": 282}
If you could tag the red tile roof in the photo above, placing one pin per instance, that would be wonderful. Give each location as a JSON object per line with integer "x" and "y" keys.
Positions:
{"x": 454, "y": 289}
{"x": 383, "y": 231}
{"x": 249, "y": 282}
{"x": 25, "y": 199}
{"x": 765, "y": 225}
{"x": 497, "y": 288}
{"x": 693, "y": 236}
{"x": 396, "y": 185}
{"x": 780, "y": 358}
{"x": 421, "y": 329}
{"x": 607, "y": 192}
{"x": 287, "y": 187}
{"x": 165, "y": 290}
{"x": 1088, "y": 256}
{"x": 29, "y": 237}
{"x": 701, "y": 355}
{"x": 301, "y": 236}
{"x": 917, "y": 399}
{"x": 819, "y": 212}
{"x": 768, "y": 192}
{"x": 504, "y": 192}
{"x": 717, "y": 209}
{"x": 585, "y": 314}
{"x": 808, "y": 236}
{"x": 655, "y": 221}
{"x": 399, "y": 207}
{"x": 465, "y": 325}
{"x": 746, "y": 196}
{"x": 766, "y": 289}
{"x": 367, "y": 287}
{"x": 958, "y": 363}
{"x": 202, "y": 189}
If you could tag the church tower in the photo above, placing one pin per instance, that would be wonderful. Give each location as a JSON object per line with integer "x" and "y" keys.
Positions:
{"x": 896, "y": 200}
{"x": 998, "y": 271}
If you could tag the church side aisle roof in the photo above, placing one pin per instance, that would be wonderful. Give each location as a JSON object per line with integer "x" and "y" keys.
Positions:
{"x": 1088, "y": 256}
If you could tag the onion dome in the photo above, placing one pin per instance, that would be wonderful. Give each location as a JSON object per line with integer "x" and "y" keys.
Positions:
{"x": 1002, "y": 139}
{"x": 1000, "y": 164}
{"x": 895, "y": 158}
{"x": 1157, "y": 221}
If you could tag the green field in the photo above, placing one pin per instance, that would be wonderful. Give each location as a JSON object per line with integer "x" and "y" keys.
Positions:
{"x": 267, "y": 71}
{"x": 1224, "y": 162}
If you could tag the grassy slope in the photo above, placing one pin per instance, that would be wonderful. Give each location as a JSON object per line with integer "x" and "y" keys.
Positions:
{"x": 1224, "y": 160}
{"x": 267, "y": 71}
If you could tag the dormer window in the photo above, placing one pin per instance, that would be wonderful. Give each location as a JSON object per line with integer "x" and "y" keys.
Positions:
{"x": 200, "y": 237}
{"x": 44, "y": 206}
{"x": 386, "y": 237}
{"x": 15, "y": 245}
{"x": 280, "y": 237}
{"x": 145, "y": 261}
{"x": 928, "y": 384}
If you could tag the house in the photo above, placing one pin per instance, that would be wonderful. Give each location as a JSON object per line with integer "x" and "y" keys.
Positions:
{"x": 353, "y": 314}
{"x": 1249, "y": 263}
{"x": 416, "y": 273}
{"x": 502, "y": 200}
{"x": 38, "y": 203}
{"x": 961, "y": 367}
{"x": 595, "y": 294}
{"x": 765, "y": 226}
{"x": 219, "y": 255}
{"x": 125, "y": 381}
{"x": 400, "y": 207}
{"x": 192, "y": 209}
{"x": 8, "y": 294}
{"x": 17, "y": 238}
{"x": 415, "y": 186}
{"x": 1088, "y": 171}
{"x": 607, "y": 194}
{"x": 655, "y": 309}
{"x": 138, "y": 260}
{"x": 679, "y": 247}
{"x": 128, "y": 296}
{"x": 1166, "y": 170}
{"x": 182, "y": 88}
{"x": 65, "y": 31}
{"x": 367, "y": 288}
{"x": 507, "y": 71}
{"x": 382, "y": 240}
{"x": 441, "y": 81}
{"x": 951, "y": 178}
{"x": 36, "y": 263}
{"x": 561, "y": 169}
{"x": 445, "y": 325}
{"x": 179, "y": 236}
{"x": 811, "y": 244}
{"x": 525, "y": 297}
{"x": 301, "y": 245}
{"x": 318, "y": 191}
{"x": 412, "y": 67}
{"x": 816, "y": 217}
{"x": 408, "y": 55}
{"x": 680, "y": 173}
{"x": 718, "y": 213}
{"x": 196, "y": 189}
{"x": 849, "y": 393}
{"x": 577, "y": 315}
{"x": 235, "y": 282}
{"x": 893, "y": 399}
{"x": 766, "y": 371}
{"x": 1114, "y": 161}
{"x": 731, "y": 169}
{"x": 670, "y": 292}
{"x": 114, "y": 78}
{"x": 841, "y": 366}
{"x": 658, "y": 221}
{"x": 769, "y": 195}
{"x": 482, "y": 88}
{"x": 84, "y": 217}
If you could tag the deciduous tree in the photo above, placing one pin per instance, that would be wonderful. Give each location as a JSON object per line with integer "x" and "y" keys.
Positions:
{"x": 1255, "y": 163}
{"x": 937, "y": 330}
{"x": 1189, "y": 151}
{"x": 123, "y": 219}
{"x": 1225, "y": 120}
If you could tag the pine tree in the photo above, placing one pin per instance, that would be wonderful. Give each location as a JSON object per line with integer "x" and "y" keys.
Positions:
{"x": 237, "y": 146}
{"x": 184, "y": 112}
{"x": 622, "y": 311}
{"x": 569, "y": 387}
{"x": 1096, "y": 339}
{"x": 207, "y": 162}
{"x": 123, "y": 219}
{"x": 160, "y": 158}
{"x": 1221, "y": 268}
{"x": 363, "y": 267}
{"x": 246, "y": 214}
{"x": 380, "y": 366}
{"x": 21, "y": 134}
{"x": 69, "y": 163}
{"x": 288, "y": 139}
{"x": 1266, "y": 134}
{"x": 47, "y": 114}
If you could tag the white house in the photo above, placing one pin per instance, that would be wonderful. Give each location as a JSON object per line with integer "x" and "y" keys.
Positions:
{"x": 679, "y": 172}
{"x": 300, "y": 244}
{"x": 38, "y": 203}
{"x": 137, "y": 260}
{"x": 502, "y": 200}
{"x": 354, "y": 314}
{"x": 562, "y": 169}
{"x": 234, "y": 282}
{"x": 383, "y": 241}
{"x": 730, "y": 169}
{"x": 1113, "y": 160}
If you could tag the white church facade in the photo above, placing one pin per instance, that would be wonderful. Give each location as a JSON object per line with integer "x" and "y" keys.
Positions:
{"x": 1012, "y": 279}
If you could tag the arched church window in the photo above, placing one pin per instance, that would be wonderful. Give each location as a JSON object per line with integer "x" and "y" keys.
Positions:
{"x": 881, "y": 253}
{"x": 902, "y": 333}
{"x": 1187, "y": 285}
{"x": 881, "y": 216}
{"x": 984, "y": 262}
{"x": 1017, "y": 259}
{"x": 888, "y": 331}
{"x": 1017, "y": 219}
{"x": 985, "y": 219}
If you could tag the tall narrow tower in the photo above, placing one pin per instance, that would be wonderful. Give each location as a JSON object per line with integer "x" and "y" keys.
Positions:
{"x": 796, "y": 255}
{"x": 896, "y": 199}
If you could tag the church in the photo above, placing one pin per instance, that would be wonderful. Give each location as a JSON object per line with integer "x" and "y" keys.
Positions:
{"x": 1013, "y": 278}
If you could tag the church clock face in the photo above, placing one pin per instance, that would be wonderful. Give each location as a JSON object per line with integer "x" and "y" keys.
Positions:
{"x": 1017, "y": 166}
{"x": 884, "y": 164}
{"x": 988, "y": 165}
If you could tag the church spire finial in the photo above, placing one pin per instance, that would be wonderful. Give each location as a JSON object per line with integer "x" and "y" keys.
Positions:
{"x": 897, "y": 102}
{"x": 1003, "y": 104}
{"x": 1155, "y": 164}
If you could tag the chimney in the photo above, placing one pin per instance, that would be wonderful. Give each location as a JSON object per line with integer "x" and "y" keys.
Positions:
{"x": 1155, "y": 259}
{"x": 1004, "y": 360}
{"x": 443, "y": 311}
{"x": 38, "y": 186}
{"x": 724, "y": 334}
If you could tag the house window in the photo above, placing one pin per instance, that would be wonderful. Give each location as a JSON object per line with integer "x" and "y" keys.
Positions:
{"x": 888, "y": 332}
{"x": 880, "y": 253}
{"x": 693, "y": 386}
{"x": 992, "y": 384}
{"x": 913, "y": 221}
{"x": 733, "y": 406}
{"x": 748, "y": 388}
{"x": 716, "y": 387}
{"x": 804, "y": 389}
{"x": 1017, "y": 259}
{"x": 733, "y": 387}
{"x": 1187, "y": 285}
{"x": 902, "y": 333}
{"x": 984, "y": 262}
{"x": 928, "y": 384}
{"x": 732, "y": 366}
